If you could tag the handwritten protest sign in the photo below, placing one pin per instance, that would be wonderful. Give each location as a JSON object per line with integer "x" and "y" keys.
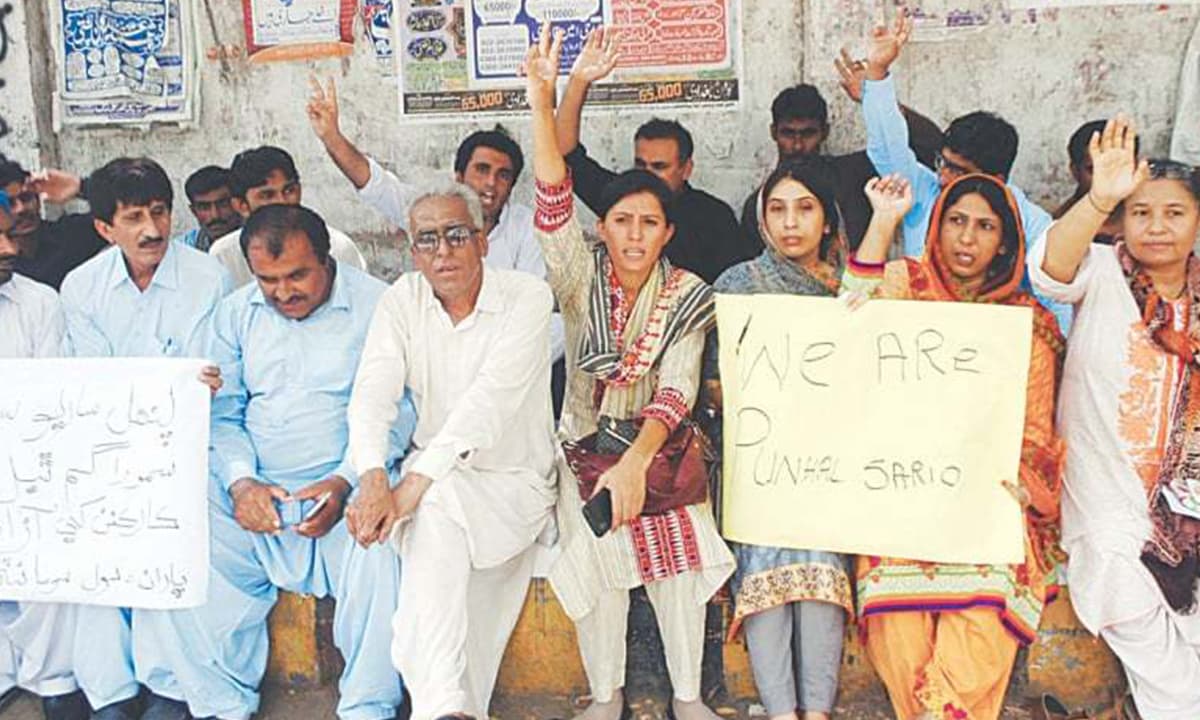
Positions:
{"x": 883, "y": 431}
{"x": 103, "y": 482}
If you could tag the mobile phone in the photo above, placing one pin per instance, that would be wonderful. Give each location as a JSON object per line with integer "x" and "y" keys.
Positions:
{"x": 598, "y": 512}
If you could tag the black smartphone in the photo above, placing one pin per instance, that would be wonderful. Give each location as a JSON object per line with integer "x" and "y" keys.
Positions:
{"x": 598, "y": 512}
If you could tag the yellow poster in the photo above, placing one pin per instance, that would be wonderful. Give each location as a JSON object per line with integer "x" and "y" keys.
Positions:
{"x": 887, "y": 430}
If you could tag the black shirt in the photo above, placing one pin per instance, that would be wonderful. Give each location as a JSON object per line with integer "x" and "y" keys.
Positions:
{"x": 707, "y": 240}
{"x": 851, "y": 173}
{"x": 62, "y": 246}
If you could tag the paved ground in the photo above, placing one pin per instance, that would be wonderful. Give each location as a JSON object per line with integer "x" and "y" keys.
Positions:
{"x": 319, "y": 705}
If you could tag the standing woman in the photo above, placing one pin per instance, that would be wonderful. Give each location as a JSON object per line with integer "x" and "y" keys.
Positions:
{"x": 943, "y": 637}
{"x": 1130, "y": 412}
{"x": 635, "y": 330}
{"x": 794, "y": 603}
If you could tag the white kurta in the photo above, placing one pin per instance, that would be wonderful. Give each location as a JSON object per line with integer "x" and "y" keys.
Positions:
{"x": 1114, "y": 413}
{"x": 228, "y": 251}
{"x": 35, "y": 638}
{"x": 485, "y": 437}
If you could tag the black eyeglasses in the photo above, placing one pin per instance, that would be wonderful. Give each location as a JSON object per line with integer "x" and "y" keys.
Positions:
{"x": 940, "y": 163}
{"x": 427, "y": 241}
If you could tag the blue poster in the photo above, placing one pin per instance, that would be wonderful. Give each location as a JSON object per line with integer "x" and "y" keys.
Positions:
{"x": 501, "y": 31}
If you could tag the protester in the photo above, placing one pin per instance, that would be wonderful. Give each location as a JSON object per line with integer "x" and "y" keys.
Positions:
{"x": 35, "y": 638}
{"x": 488, "y": 161}
{"x": 264, "y": 176}
{"x": 800, "y": 126}
{"x": 211, "y": 202}
{"x": 1128, "y": 413}
{"x": 147, "y": 297}
{"x": 626, "y": 406}
{"x": 793, "y": 603}
{"x": 978, "y": 142}
{"x": 472, "y": 344}
{"x": 943, "y": 637}
{"x": 49, "y": 250}
{"x": 288, "y": 348}
{"x": 1081, "y": 171}
{"x": 706, "y": 239}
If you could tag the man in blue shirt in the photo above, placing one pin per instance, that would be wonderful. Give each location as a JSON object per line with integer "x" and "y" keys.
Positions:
{"x": 978, "y": 142}
{"x": 211, "y": 201}
{"x": 146, "y": 297}
{"x": 288, "y": 346}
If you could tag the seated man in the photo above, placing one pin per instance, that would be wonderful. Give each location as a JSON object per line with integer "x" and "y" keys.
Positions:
{"x": 288, "y": 347}
{"x": 267, "y": 176}
{"x": 707, "y": 238}
{"x": 49, "y": 250}
{"x": 35, "y": 638}
{"x": 211, "y": 202}
{"x": 978, "y": 142}
{"x": 799, "y": 127}
{"x": 472, "y": 343}
{"x": 487, "y": 161}
{"x": 147, "y": 297}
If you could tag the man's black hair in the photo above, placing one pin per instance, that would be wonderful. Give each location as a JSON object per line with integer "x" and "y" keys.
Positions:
{"x": 660, "y": 129}
{"x": 251, "y": 168}
{"x": 11, "y": 172}
{"x": 497, "y": 139}
{"x": 632, "y": 182}
{"x": 800, "y": 102}
{"x": 274, "y": 224}
{"x": 985, "y": 139}
{"x": 135, "y": 182}
{"x": 1077, "y": 146}
{"x": 206, "y": 180}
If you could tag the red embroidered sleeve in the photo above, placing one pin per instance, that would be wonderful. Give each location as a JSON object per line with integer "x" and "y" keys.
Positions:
{"x": 553, "y": 204}
{"x": 668, "y": 406}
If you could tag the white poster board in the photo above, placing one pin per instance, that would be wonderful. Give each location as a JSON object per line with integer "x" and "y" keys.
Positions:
{"x": 104, "y": 482}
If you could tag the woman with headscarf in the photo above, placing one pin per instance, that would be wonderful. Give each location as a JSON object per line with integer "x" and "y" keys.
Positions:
{"x": 1130, "y": 413}
{"x": 793, "y": 603}
{"x": 943, "y": 637}
{"x": 635, "y": 330}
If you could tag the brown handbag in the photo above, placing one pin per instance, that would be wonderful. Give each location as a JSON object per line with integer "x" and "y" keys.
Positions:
{"x": 677, "y": 476}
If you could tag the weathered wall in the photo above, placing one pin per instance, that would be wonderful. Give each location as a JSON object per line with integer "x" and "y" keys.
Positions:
{"x": 18, "y": 120}
{"x": 1045, "y": 71}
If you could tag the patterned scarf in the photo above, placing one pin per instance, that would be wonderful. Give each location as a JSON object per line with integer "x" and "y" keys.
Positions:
{"x": 1172, "y": 554}
{"x": 681, "y": 303}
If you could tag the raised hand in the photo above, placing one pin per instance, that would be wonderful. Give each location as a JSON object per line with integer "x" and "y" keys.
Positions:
{"x": 57, "y": 186}
{"x": 884, "y": 45}
{"x": 322, "y": 109}
{"x": 891, "y": 196}
{"x": 1116, "y": 172}
{"x": 598, "y": 56}
{"x": 541, "y": 68}
{"x": 852, "y": 73}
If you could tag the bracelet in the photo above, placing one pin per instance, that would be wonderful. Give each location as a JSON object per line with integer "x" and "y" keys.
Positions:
{"x": 1097, "y": 207}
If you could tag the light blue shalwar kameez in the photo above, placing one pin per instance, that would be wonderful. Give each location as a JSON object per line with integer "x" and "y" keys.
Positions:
{"x": 107, "y": 316}
{"x": 280, "y": 417}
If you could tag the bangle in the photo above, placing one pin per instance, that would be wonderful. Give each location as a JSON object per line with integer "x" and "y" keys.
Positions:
{"x": 1096, "y": 205}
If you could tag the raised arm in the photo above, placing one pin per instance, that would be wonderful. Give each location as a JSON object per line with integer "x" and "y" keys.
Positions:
{"x": 595, "y": 61}
{"x": 1116, "y": 174}
{"x": 891, "y": 198}
{"x": 887, "y": 129}
{"x": 925, "y": 137}
{"x": 541, "y": 73}
{"x": 323, "y": 115}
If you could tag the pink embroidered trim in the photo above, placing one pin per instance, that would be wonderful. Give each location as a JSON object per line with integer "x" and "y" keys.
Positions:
{"x": 668, "y": 406}
{"x": 665, "y": 544}
{"x": 865, "y": 270}
{"x": 553, "y": 204}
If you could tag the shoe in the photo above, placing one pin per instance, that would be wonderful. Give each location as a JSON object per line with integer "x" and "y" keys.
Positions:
{"x": 161, "y": 708}
{"x": 72, "y": 706}
{"x": 125, "y": 710}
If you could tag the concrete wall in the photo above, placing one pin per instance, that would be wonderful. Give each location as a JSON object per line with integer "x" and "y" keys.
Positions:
{"x": 1045, "y": 71}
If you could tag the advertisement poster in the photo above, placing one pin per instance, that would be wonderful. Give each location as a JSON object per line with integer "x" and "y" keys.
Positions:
{"x": 298, "y": 29}
{"x": 123, "y": 61}
{"x": 462, "y": 58}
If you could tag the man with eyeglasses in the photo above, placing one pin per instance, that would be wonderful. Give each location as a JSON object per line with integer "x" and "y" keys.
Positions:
{"x": 978, "y": 142}
{"x": 49, "y": 249}
{"x": 288, "y": 346}
{"x": 799, "y": 127}
{"x": 211, "y": 202}
{"x": 472, "y": 344}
